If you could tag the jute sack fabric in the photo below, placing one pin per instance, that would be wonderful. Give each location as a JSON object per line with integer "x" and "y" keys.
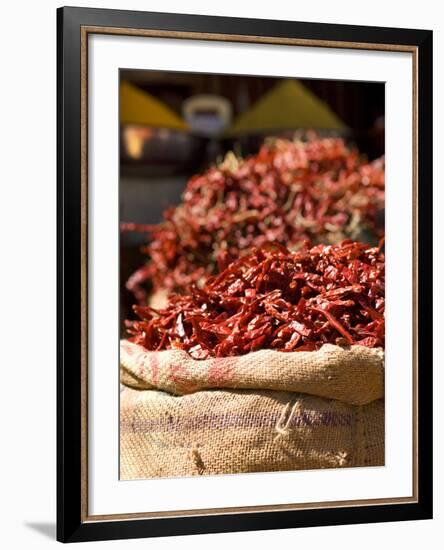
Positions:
{"x": 265, "y": 411}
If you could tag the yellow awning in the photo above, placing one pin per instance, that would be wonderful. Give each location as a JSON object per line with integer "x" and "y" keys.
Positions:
{"x": 287, "y": 106}
{"x": 138, "y": 107}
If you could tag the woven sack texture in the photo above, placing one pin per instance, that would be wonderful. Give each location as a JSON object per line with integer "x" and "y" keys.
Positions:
{"x": 265, "y": 411}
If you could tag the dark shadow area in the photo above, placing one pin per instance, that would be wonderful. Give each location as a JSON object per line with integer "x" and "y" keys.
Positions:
{"x": 46, "y": 529}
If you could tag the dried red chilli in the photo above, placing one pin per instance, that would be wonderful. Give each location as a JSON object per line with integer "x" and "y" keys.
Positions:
{"x": 290, "y": 191}
{"x": 275, "y": 299}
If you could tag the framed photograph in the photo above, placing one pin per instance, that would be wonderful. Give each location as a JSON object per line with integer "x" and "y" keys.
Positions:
{"x": 244, "y": 274}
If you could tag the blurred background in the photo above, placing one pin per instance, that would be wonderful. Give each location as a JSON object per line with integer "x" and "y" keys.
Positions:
{"x": 173, "y": 125}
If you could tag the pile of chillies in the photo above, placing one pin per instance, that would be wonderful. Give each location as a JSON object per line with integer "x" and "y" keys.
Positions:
{"x": 290, "y": 191}
{"x": 275, "y": 299}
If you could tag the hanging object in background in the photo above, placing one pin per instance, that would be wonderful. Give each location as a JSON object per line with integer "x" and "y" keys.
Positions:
{"x": 151, "y": 131}
{"x": 320, "y": 190}
{"x": 207, "y": 115}
{"x": 152, "y": 134}
{"x": 134, "y": 139}
{"x": 287, "y": 106}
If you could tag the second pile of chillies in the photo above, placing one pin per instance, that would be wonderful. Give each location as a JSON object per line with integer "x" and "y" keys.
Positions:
{"x": 318, "y": 189}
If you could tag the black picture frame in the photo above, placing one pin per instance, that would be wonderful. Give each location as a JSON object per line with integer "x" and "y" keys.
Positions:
{"x": 71, "y": 523}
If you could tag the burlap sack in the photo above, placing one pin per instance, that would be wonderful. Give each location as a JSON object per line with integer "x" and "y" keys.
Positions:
{"x": 265, "y": 411}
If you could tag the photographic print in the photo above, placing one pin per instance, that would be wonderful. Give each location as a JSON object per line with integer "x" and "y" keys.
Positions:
{"x": 244, "y": 333}
{"x": 252, "y": 274}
